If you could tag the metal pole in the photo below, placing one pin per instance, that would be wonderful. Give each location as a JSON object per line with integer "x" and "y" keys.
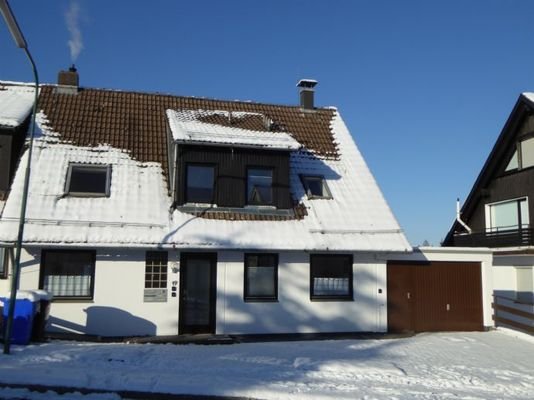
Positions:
{"x": 16, "y": 265}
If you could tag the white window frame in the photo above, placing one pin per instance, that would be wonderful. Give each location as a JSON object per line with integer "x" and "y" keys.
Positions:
{"x": 326, "y": 190}
{"x": 100, "y": 167}
{"x": 488, "y": 206}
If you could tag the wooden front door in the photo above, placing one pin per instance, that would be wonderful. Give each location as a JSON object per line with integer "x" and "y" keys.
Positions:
{"x": 198, "y": 292}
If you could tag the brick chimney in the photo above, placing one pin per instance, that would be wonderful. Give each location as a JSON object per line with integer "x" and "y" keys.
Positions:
{"x": 68, "y": 81}
{"x": 307, "y": 92}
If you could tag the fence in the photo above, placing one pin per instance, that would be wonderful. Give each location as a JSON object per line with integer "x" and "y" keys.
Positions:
{"x": 510, "y": 313}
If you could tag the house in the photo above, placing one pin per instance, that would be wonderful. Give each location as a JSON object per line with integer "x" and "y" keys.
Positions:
{"x": 499, "y": 211}
{"x": 153, "y": 214}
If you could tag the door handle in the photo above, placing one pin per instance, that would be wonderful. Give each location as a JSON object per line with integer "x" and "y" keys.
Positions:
{"x": 448, "y": 307}
{"x": 408, "y": 295}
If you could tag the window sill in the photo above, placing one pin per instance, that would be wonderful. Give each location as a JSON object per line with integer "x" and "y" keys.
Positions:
{"x": 331, "y": 298}
{"x": 72, "y": 300}
{"x": 261, "y": 300}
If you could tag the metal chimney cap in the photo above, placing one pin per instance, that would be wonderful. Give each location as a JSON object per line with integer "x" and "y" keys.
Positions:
{"x": 307, "y": 83}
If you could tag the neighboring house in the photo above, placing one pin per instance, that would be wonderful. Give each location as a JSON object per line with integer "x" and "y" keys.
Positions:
{"x": 153, "y": 214}
{"x": 499, "y": 210}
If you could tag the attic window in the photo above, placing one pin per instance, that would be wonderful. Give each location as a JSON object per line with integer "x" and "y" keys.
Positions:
{"x": 523, "y": 157}
{"x": 88, "y": 180}
{"x": 315, "y": 187}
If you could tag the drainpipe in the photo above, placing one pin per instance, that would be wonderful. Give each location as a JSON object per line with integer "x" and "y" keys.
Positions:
{"x": 468, "y": 229}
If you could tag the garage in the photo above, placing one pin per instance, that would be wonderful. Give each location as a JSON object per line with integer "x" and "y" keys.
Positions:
{"x": 429, "y": 296}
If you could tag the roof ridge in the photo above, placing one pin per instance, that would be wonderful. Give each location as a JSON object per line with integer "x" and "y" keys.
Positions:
{"x": 175, "y": 96}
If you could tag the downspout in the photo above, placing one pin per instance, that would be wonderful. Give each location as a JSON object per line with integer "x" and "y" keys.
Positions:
{"x": 459, "y": 220}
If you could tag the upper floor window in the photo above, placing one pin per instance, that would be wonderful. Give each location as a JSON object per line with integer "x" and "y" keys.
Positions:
{"x": 523, "y": 157}
{"x": 200, "y": 181}
{"x": 507, "y": 215}
{"x": 260, "y": 186}
{"x": 88, "y": 180}
{"x": 315, "y": 187}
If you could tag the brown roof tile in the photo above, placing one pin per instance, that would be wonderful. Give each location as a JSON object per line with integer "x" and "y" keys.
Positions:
{"x": 137, "y": 121}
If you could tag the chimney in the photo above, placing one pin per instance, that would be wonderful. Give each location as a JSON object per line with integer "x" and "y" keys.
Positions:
{"x": 68, "y": 81}
{"x": 306, "y": 93}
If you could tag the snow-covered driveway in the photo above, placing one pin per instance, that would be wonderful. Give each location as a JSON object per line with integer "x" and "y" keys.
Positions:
{"x": 491, "y": 365}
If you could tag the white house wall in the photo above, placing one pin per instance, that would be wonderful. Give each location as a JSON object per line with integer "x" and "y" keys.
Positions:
{"x": 118, "y": 309}
{"x": 294, "y": 312}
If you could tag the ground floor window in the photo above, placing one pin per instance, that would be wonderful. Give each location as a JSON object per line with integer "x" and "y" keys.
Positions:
{"x": 156, "y": 270}
{"x": 331, "y": 277}
{"x": 261, "y": 277}
{"x": 68, "y": 273}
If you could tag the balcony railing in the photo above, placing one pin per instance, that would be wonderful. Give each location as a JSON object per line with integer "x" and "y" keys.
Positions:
{"x": 503, "y": 238}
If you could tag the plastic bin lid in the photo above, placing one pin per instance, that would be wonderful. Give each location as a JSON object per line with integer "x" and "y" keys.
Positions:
{"x": 31, "y": 295}
{"x": 23, "y": 295}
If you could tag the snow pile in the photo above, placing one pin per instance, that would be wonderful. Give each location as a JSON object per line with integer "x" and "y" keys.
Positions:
{"x": 187, "y": 127}
{"x": 477, "y": 365}
{"x": 16, "y": 102}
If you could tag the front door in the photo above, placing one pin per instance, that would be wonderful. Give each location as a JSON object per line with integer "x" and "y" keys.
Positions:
{"x": 198, "y": 293}
{"x": 400, "y": 298}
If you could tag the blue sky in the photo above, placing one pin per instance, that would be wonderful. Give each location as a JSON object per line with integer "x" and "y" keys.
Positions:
{"x": 424, "y": 86}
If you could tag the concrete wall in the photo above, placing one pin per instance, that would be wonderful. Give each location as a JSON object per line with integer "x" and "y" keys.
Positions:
{"x": 118, "y": 308}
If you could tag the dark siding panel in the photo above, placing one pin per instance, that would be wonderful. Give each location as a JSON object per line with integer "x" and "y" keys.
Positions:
{"x": 5, "y": 161}
{"x": 231, "y": 169}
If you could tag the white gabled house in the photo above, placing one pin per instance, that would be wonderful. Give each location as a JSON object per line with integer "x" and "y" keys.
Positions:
{"x": 153, "y": 214}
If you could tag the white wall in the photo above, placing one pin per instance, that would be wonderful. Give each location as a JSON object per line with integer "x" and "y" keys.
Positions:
{"x": 295, "y": 312}
{"x": 118, "y": 308}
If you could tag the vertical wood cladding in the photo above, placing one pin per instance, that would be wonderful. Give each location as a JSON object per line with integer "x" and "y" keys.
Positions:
{"x": 231, "y": 172}
{"x": 435, "y": 296}
{"x": 11, "y": 142}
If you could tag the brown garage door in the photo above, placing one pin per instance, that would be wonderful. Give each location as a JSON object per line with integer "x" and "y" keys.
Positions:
{"x": 434, "y": 296}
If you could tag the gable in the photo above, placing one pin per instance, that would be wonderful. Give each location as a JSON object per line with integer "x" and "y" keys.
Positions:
{"x": 502, "y": 176}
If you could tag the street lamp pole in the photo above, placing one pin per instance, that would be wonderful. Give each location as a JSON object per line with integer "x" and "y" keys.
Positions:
{"x": 18, "y": 37}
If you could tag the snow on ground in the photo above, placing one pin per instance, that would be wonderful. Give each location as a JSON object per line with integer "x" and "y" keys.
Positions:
{"x": 474, "y": 365}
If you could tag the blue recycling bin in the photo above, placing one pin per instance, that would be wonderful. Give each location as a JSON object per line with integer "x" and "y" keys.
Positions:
{"x": 25, "y": 310}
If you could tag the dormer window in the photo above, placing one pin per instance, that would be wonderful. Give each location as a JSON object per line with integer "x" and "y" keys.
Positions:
{"x": 315, "y": 187}
{"x": 200, "y": 182}
{"x": 88, "y": 180}
{"x": 523, "y": 156}
{"x": 260, "y": 186}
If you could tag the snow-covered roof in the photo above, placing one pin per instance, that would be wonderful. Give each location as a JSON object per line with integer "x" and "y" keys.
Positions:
{"x": 529, "y": 96}
{"x": 356, "y": 218}
{"x": 16, "y": 102}
{"x": 187, "y": 126}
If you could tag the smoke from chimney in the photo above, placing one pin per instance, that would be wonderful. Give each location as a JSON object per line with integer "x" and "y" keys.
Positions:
{"x": 72, "y": 19}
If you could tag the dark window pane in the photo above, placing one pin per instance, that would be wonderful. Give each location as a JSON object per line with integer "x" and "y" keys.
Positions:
{"x": 90, "y": 180}
{"x": 3, "y": 262}
{"x": 200, "y": 180}
{"x": 259, "y": 184}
